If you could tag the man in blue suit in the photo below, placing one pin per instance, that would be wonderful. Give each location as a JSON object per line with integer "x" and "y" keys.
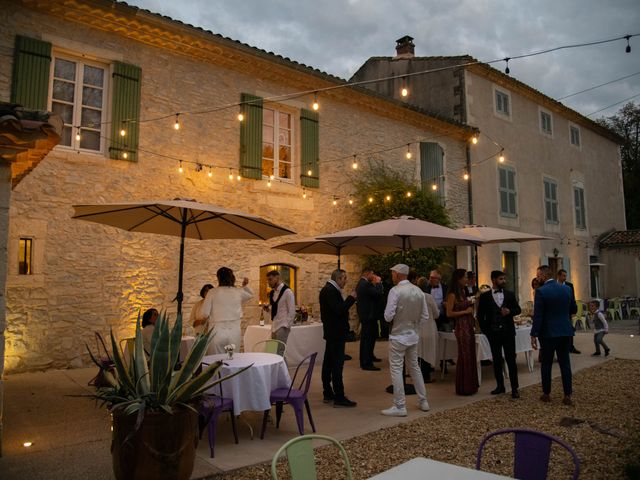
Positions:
{"x": 552, "y": 307}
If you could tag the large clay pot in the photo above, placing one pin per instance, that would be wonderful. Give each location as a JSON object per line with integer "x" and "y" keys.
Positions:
{"x": 163, "y": 448}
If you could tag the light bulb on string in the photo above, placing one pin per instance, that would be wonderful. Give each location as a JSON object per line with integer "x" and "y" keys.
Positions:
{"x": 180, "y": 169}
{"x": 316, "y": 105}
{"x": 230, "y": 175}
{"x": 238, "y": 177}
{"x": 269, "y": 183}
{"x": 309, "y": 173}
{"x": 404, "y": 91}
{"x": 370, "y": 199}
{"x": 465, "y": 176}
{"x": 350, "y": 201}
{"x": 506, "y": 70}
{"x": 409, "y": 194}
{"x": 335, "y": 201}
{"x": 434, "y": 187}
{"x": 408, "y": 154}
{"x": 474, "y": 140}
{"x": 628, "y": 49}
{"x": 125, "y": 155}
{"x": 354, "y": 165}
{"x": 176, "y": 125}
{"x": 388, "y": 198}
{"x": 304, "y": 193}
{"x": 501, "y": 157}
{"x": 210, "y": 173}
{"x": 78, "y": 134}
{"x": 123, "y": 131}
{"x": 271, "y": 177}
{"x": 240, "y": 117}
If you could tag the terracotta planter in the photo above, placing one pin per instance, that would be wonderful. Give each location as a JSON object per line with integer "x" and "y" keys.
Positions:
{"x": 163, "y": 448}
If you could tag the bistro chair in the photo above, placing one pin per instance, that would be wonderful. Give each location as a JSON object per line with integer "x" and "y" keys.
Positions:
{"x": 270, "y": 346}
{"x": 531, "y": 453}
{"x": 210, "y": 409}
{"x": 580, "y": 316}
{"x": 296, "y": 397}
{"x": 301, "y": 458}
{"x": 614, "y": 309}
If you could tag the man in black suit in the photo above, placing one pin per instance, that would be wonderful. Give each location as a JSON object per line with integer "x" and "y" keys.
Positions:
{"x": 369, "y": 291}
{"x": 496, "y": 309}
{"x": 334, "y": 313}
{"x": 561, "y": 277}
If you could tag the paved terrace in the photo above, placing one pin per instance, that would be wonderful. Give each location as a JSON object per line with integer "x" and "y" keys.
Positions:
{"x": 71, "y": 436}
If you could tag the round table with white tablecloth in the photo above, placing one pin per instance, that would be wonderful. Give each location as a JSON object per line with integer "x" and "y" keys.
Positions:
{"x": 303, "y": 340}
{"x": 251, "y": 389}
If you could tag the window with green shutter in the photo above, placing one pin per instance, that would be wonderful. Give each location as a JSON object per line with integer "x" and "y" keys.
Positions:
{"x": 251, "y": 144}
{"x": 31, "y": 66}
{"x": 125, "y": 111}
{"x": 432, "y": 169}
{"x": 310, "y": 151}
{"x": 507, "y": 191}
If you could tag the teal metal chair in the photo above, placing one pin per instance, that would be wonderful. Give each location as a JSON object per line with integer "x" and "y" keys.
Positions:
{"x": 270, "y": 346}
{"x": 302, "y": 461}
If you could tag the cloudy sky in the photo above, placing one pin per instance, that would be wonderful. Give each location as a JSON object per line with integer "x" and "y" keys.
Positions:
{"x": 337, "y": 36}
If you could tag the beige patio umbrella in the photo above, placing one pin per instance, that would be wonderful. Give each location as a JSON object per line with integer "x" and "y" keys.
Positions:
{"x": 315, "y": 245}
{"x": 181, "y": 218}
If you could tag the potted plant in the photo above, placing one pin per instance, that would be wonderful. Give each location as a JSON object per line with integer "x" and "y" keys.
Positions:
{"x": 153, "y": 403}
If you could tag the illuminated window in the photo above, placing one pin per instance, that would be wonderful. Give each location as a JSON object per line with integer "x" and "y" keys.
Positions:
{"x": 277, "y": 135}
{"x": 24, "y": 256}
{"x": 288, "y": 274}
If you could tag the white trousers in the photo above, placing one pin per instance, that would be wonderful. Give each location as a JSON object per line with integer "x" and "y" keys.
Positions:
{"x": 399, "y": 354}
{"x": 225, "y": 333}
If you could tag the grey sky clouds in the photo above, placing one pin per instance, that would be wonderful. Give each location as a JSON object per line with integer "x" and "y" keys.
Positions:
{"x": 337, "y": 36}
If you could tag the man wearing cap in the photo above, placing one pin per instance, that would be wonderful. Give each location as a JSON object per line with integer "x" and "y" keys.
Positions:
{"x": 407, "y": 309}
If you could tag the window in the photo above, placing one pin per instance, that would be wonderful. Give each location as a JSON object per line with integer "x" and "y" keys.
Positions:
{"x": 25, "y": 252}
{"x": 507, "y": 189}
{"x": 510, "y": 268}
{"x": 277, "y": 135}
{"x": 546, "y": 125}
{"x": 78, "y": 96}
{"x": 574, "y": 135}
{"x": 550, "y": 201}
{"x": 288, "y": 274}
{"x": 502, "y": 103}
{"x": 578, "y": 203}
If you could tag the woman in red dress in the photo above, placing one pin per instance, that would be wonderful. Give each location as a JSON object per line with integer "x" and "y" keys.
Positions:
{"x": 460, "y": 309}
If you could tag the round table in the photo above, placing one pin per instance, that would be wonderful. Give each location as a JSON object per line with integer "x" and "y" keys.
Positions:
{"x": 251, "y": 389}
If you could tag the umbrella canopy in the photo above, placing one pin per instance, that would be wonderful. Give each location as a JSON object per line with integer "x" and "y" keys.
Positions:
{"x": 499, "y": 235}
{"x": 181, "y": 218}
{"x": 403, "y": 233}
{"x": 327, "y": 247}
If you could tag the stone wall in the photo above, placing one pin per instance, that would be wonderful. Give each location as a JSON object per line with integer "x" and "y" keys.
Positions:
{"x": 89, "y": 277}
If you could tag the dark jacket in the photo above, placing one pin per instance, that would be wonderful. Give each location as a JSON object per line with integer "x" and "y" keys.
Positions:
{"x": 552, "y": 307}
{"x": 427, "y": 289}
{"x": 334, "y": 312}
{"x": 368, "y": 300}
{"x": 489, "y": 316}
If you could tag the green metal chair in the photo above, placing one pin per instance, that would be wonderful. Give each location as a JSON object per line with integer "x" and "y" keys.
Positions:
{"x": 270, "y": 346}
{"x": 301, "y": 458}
{"x": 634, "y": 308}
{"x": 579, "y": 316}
{"x": 614, "y": 309}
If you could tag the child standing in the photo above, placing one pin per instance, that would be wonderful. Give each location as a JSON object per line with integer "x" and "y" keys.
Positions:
{"x": 600, "y": 327}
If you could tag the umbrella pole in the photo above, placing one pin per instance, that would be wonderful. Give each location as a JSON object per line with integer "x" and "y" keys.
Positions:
{"x": 339, "y": 248}
{"x": 179, "y": 295}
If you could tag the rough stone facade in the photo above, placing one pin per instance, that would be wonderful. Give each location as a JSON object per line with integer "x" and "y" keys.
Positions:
{"x": 89, "y": 277}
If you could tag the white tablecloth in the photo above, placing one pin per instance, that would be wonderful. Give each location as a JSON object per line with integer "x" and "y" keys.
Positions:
{"x": 448, "y": 347}
{"x": 251, "y": 389}
{"x": 421, "y": 468}
{"x": 302, "y": 342}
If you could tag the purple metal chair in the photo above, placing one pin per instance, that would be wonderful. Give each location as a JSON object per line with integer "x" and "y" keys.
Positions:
{"x": 211, "y": 408}
{"x": 296, "y": 397}
{"x": 531, "y": 453}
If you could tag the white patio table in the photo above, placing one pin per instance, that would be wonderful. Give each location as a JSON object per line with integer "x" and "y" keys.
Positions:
{"x": 421, "y": 468}
{"x": 303, "y": 340}
{"x": 251, "y": 389}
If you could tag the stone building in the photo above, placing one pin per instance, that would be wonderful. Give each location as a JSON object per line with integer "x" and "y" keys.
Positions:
{"x": 109, "y": 69}
{"x": 539, "y": 167}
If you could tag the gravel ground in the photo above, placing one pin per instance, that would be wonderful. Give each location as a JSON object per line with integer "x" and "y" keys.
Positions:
{"x": 607, "y": 411}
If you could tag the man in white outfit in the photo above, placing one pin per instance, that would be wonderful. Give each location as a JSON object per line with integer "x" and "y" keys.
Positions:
{"x": 407, "y": 309}
{"x": 282, "y": 304}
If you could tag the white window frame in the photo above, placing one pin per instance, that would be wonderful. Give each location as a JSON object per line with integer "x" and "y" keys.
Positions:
{"x": 550, "y": 201}
{"x": 541, "y": 116}
{"x": 508, "y": 192}
{"x": 580, "y": 224}
{"x": 77, "y": 104}
{"x": 572, "y": 127}
{"x": 293, "y": 135}
{"x": 501, "y": 112}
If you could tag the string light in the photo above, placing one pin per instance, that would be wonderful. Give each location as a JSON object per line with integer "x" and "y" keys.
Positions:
{"x": 316, "y": 105}
{"x": 474, "y": 140}
{"x": 370, "y": 199}
{"x": 238, "y": 177}
{"x": 271, "y": 177}
{"x": 404, "y": 91}
{"x": 309, "y": 173}
{"x": 408, "y": 154}
{"x": 180, "y": 169}
{"x": 123, "y": 132}
{"x": 434, "y": 187}
{"x": 269, "y": 183}
{"x": 465, "y": 176}
{"x": 350, "y": 200}
{"x": 304, "y": 193}
{"x": 27, "y": 444}
{"x": 240, "y": 117}
{"x": 125, "y": 155}
{"x": 409, "y": 194}
{"x": 501, "y": 157}
{"x": 78, "y": 134}
{"x": 210, "y": 173}
{"x": 388, "y": 198}
{"x": 506, "y": 70}
{"x": 335, "y": 201}
{"x": 628, "y": 49}
{"x": 354, "y": 165}
{"x": 176, "y": 125}
{"x": 230, "y": 175}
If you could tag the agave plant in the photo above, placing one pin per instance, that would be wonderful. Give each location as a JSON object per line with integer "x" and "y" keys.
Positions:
{"x": 152, "y": 383}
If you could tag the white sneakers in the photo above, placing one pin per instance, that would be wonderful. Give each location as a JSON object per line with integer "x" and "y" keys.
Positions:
{"x": 424, "y": 405}
{"x": 395, "y": 412}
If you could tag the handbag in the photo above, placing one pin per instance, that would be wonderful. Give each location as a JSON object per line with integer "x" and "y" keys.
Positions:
{"x": 105, "y": 363}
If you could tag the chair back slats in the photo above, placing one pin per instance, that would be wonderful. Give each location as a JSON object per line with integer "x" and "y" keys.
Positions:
{"x": 301, "y": 459}
{"x": 306, "y": 379}
{"x": 531, "y": 456}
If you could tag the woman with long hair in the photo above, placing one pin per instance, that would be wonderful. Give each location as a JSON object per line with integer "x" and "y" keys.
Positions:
{"x": 460, "y": 309}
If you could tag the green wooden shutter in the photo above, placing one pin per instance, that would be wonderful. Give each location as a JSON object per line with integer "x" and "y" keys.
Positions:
{"x": 310, "y": 151}
{"x": 31, "y": 70}
{"x": 432, "y": 168}
{"x": 125, "y": 111}
{"x": 251, "y": 136}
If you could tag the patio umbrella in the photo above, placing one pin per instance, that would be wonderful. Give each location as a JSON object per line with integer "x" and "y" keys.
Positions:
{"x": 327, "y": 247}
{"x": 403, "y": 233}
{"x": 181, "y": 218}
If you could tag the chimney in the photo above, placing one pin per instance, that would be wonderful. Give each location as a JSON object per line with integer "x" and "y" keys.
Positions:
{"x": 405, "y": 47}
